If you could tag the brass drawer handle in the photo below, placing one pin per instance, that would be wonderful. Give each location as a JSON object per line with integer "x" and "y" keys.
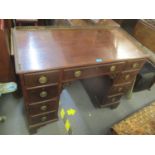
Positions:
{"x": 43, "y": 94}
{"x": 43, "y": 108}
{"x": 44, "y": 118}
{"x": 127, "y": 77}
{"x": 135, "y": 65}
{"x": 112, "y": 68}
{"x": 42, "y": 80}
{"x": 77, "y": 73}
{"x": 120, "y": 89}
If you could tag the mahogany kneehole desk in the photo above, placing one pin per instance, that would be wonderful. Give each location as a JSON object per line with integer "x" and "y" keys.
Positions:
{"x": 48, "y": 58}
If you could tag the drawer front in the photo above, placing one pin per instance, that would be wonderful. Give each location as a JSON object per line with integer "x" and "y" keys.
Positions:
{"x": 113, "y": 99}
{"x": 43, "y": 118}
{"x": 112, "y": 105}
{"x": 79, "y": 73}
{"x": 43, "y": 107}
{"x": 41, "y": 78}
{"x": 42, "y": 94}
{"x": 126, "y": 77}
{"x": 133, "y": 65}
{"x": 119, "y": 89}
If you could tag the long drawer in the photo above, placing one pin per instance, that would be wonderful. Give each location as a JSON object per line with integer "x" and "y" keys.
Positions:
{"x": 47, "y": 106}
{"x": 42, "y": 94}
{"x": 85, "y": 72}
{"x": 43, "y": 118}
{"x": 41, "y": 78}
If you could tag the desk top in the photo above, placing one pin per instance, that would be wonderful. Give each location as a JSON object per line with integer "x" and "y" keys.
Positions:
{"x": 149, "y": 22}
{"x": 88, "y": 22}
{"x": 41, "y": 48}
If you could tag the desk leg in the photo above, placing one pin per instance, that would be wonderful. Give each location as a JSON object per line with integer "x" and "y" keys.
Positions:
{"x": 115, "y": 105}
{"x": 32, "y": 131}
{"x": 129, "y": 93}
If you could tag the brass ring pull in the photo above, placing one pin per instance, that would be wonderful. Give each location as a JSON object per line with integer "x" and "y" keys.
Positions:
{"x": 43, "y": 94}
{"x": 127, "y": 77}
{"x": 43, "y": 118}
{"x": 43, "y": 108}
{"x": 77, "y": 73}
{"x": 112, "y": 68}
{"x": 135, "y": 65}
{"x": 42, "y": 80}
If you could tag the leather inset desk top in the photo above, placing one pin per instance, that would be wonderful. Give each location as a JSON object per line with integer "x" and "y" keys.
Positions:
{"x": 54, "y": 48}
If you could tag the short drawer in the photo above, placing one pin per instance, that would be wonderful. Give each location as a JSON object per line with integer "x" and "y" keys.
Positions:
{"x": 43, "y": 118}
{"x": 135, "y": 64}
{"x": 113, "y": 99}
{"x": 126, "y": 77}
{"x": 42, "y": 94}
{"x": 79, "y": 73}
{"x": 111, "y": 105}
{"x": 51, "y": 105}
{"x": 119, "y": 89}
{"x": 41, "y": 78}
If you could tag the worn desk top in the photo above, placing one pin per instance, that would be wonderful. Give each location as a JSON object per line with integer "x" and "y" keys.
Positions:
{"x": 87, "y": 22}
{"x": 43, "y": 48}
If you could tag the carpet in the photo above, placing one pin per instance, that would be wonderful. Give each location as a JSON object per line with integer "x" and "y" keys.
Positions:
{"x": 141, "y": 122}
